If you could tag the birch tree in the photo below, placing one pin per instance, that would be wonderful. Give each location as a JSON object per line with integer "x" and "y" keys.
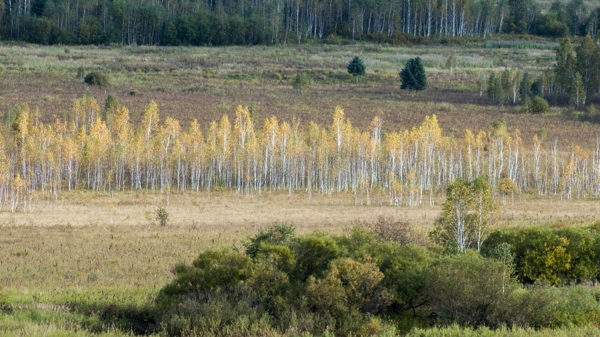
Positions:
{"x": 466, "y": 214}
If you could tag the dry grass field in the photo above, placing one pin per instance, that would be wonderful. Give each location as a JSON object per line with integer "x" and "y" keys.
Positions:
{"x": 206, "y": 83}
{"x": 90, "y": 240}
{"x": 64, "y": 263}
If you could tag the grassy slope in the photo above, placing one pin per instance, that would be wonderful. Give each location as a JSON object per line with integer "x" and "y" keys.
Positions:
{"x": 205, "y": 83}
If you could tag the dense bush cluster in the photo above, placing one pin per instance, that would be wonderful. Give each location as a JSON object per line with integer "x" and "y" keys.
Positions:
{"x": 560, "y": 256}
{"x": 364, "y": 284}
{"x": 97, "y": 78}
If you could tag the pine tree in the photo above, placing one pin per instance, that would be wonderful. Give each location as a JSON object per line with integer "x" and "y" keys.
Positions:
{"x": 413, "y": 75}
{"x": 356, "y": 68}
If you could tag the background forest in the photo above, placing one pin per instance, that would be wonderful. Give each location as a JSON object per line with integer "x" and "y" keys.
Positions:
{"x": 243, "y": 22}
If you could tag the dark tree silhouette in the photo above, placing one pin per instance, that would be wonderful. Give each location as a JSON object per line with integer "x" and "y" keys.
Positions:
{"x": 356, "y": 67}
{"x": 413, "y": 76}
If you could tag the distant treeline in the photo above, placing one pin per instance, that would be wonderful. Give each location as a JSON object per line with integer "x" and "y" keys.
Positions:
{"x": 239, "y": 22}
{"x": 575, "y": 79}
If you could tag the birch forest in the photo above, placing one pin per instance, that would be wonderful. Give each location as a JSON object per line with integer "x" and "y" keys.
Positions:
{"x": 101, "y": 150}
{"x": 242, "y": 22}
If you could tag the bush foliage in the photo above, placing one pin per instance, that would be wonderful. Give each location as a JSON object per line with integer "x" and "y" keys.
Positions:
{"x": 556, "y": 256}
{"x": 97, "y": 78}
{"x": 365, "y": 284}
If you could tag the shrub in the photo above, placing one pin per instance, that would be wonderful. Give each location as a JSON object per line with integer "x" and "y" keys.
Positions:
{"x": 281, "y": 281}
{"x": 313, "y": 254}
{"x": 536, "y": 105}
{"x": 591, "y": 114}
{"x": 389, "y": 229}
{"x": 301, "y": 82}
{"x": 358, "y": 285}
{"x": 162, "y": 216}
{"x": 468, "y": 289}
{"x": 211, "y": 271}
{"x": 277, "y": 234}
{"x": 555, "y": 256}
{"x": 405, "y": 271}
{"x": 97, "y": 78}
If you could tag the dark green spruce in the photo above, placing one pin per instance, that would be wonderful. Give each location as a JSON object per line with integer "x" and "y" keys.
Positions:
{"x": 356, "y": 68}
{"x": 413, "y": 76}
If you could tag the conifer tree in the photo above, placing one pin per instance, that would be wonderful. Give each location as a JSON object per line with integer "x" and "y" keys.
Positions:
{"x": 413, "y": 75}
{"x": 507, "y": 80}
{"x": 356, "y": 68}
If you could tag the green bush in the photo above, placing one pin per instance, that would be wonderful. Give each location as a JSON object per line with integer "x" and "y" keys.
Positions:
{"x": 301, "y": 82}
{"x": 313, "y": 254}
{"x": 405, "y": 272}
{"x": 313, "y": 283}
{"x": 211, "y": 271}
{"x": 283, "y": 284}
{"x": 277, "y": 234}
{"x": 536, "y": 105}
{"x": 468, "y": 289}
{"x": 161, "y": 215}
{"x": 559, "y": 256}
{"x": 97, "y": 78}
{"x": 591, "y": 114}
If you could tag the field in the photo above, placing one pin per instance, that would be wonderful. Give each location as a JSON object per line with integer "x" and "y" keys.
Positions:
{"x": 69, "y": 260}
{"x": 65, "y": 263}
{"x": 206, "y": 83}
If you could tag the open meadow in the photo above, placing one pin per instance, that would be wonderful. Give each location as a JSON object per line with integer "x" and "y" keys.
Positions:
{"x": 64, "y": 264}
{"x": 207, "y": 83}
{"x": 85, "y": 262}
